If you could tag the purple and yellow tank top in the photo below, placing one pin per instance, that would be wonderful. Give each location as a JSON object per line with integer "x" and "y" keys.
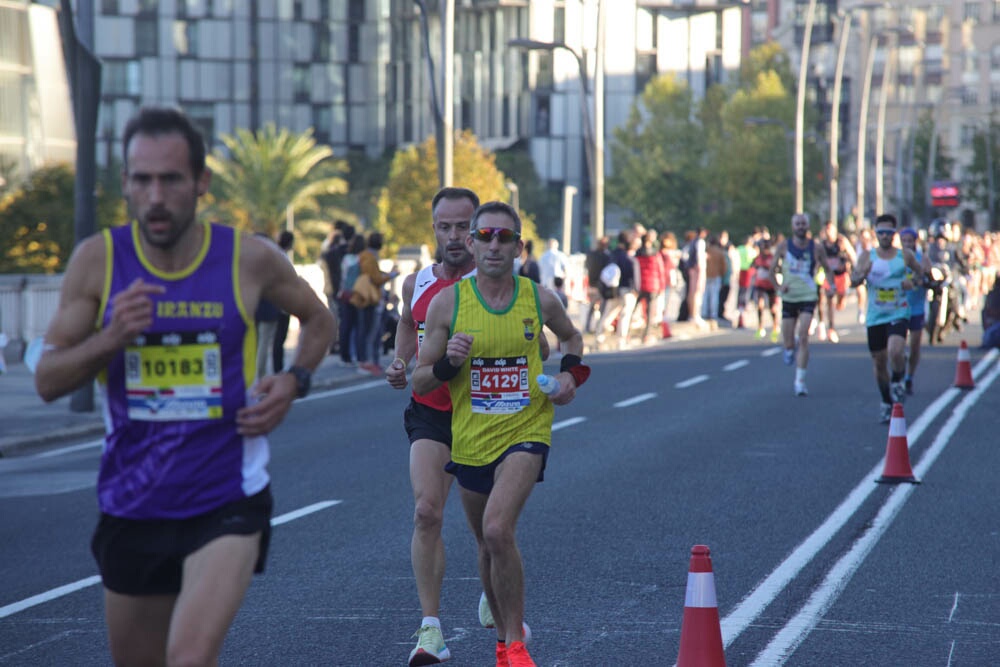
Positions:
{"x": 170, "y": 398}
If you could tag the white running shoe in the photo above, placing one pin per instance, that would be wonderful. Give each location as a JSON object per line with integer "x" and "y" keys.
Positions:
{"x": 800, "y": 389}
{"x": 833, "y": 336}
{"x": 486, "y": 618}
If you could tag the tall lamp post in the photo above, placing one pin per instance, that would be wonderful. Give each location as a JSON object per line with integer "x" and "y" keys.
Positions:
{"x": 443, "y": 117}
{"x": 590, "y": 143}
{"x": 800, "y": 106}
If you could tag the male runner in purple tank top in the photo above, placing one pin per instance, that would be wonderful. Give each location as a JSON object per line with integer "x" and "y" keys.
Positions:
{"x": 161, "y": 313}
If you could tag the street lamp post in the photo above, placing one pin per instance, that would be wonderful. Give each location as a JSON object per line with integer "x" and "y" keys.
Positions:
{"x": 838, "y": 78}
{"x": 801, "y": 105}
{"x": 592, "y": 139}
{"x": 443, "y": 119}
{"x": 866, "y": 89}
{"x": 880, "y": 131}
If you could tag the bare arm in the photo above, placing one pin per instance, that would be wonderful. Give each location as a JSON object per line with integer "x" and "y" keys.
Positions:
{"x": 570, "y": 342}
{"x": 75, "y": 349}
{"x": 861, "y": 269}
{"x": 406, "y": 338}
{"x": 916, "y": 267}
{"x": 263, "y": 264}
{"x": 779, "y": 254}
{"x": 437, "y": 344}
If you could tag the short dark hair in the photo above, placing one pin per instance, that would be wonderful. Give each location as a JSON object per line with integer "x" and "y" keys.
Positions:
{"x": 286, "y": 239}
{"x": 154, "y": 121}
{"x": 496, "y": 207}
{"x": 454, "y": 193}
{"x": 886, "y": 217}
{"x": 375, "y": 241}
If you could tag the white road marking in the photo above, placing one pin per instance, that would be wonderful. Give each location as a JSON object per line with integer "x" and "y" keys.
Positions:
{"x": 798, "y": 627}
{"x": 47, "y": 596}
{"x": 69, "y": 450}
{"x": 690, "y": 382}
{"x": 340, "y": 391}
{"x": 635, "y": 399}
{"x": 303, "y": 511}
{"x": 736, "y": 365}
{"x": 771, "y": 351}
{"x": 27, "y": 603}
{"x": 567, "y": 422}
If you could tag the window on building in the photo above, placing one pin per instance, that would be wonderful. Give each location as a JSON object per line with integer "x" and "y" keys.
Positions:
{"x": 109, "y": 7}
{"x": 321, "y": 42}
{"x": 559, "y": 25}
{"x": 354, "y": 43}
{"x": 322, "y": 122}
{"x": 146, "y": 36}
{"x": 121, "y": 78}
{"x": 300, "y": 83}
{"x": 967, "y": 134}
{"x": 645, "y": 70}
{"x": 970, "y": 96}
{"x": 996, "y": 11}
{"x": 970, "y": 12}
{"x": 542, "y": 115}
{"x": 298, "y": 10}
{"x": 186, "y": 38}
{"x": 148, "y": 7}
{"x": 356, "y": 11}
{"x": 202, "y": 116}
{"x": 995, "y": 58}
{"x": 995, "y": 96}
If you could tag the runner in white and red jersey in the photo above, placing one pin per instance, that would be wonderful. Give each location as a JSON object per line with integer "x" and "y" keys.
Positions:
{"x": 427, "y": 418}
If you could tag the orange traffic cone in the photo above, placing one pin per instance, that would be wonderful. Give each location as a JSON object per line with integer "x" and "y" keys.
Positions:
{"x": 897, "y": 452}
{"x": 963, "y": 372}
{"x": 701, "y": 634}
{"x": 666, "y": 329}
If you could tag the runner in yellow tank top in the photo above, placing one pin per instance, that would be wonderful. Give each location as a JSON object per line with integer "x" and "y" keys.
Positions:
{"x": 482, "y": 338}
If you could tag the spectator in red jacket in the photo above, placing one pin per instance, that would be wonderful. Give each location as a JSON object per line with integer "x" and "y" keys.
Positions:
{"x": 652, "y": 276}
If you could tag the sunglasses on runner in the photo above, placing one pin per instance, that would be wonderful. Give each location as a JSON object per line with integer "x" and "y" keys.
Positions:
{"x": 882, "y": 232}
{"x": 487, "y": 234}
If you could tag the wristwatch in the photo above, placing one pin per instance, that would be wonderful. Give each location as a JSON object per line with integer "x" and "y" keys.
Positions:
{"x": 303, "y": 380}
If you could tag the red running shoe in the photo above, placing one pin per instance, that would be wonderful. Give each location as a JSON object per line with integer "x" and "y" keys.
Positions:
{"x": 517, "y": 655}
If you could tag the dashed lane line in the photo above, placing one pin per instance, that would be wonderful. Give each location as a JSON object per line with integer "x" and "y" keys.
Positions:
{"x": 690, "y": 382}
{"x": 635, "y": 399}
{"x": 736, "y": 365}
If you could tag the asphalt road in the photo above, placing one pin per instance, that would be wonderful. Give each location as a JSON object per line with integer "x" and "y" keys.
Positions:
{"x": 697, "y": 442}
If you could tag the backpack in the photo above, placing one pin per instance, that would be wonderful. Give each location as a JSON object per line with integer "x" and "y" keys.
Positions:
{"x": 349, "y": 277}
{"x": 611, "y": 275}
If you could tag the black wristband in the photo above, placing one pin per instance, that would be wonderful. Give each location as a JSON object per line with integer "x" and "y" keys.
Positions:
{"x": 443, "y": 370}
{"x": 568, "y": 361}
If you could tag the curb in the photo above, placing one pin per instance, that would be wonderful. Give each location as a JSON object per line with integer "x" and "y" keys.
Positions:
{"x": 16, "y": 445}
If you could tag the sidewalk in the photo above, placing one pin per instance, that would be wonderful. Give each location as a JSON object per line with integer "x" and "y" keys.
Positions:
{"x": 26, "y": 422}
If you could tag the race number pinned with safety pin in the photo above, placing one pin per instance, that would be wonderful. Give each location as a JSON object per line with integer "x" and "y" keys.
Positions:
{"x": 174, "y": 376}
{"x": 499, "y": 385}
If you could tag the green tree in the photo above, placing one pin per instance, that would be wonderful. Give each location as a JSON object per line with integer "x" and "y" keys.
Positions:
{"x": 36, "y": 221}
{"x": 543, "y": 203}
{"x": 268, "y": 172}
{"x": 658, "y": 156}
{"x": 404, "y": 206}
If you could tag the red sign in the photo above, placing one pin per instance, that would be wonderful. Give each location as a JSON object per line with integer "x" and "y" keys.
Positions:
{"x": 944, "y": 194}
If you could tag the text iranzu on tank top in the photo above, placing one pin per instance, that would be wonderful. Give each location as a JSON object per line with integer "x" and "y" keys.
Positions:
{"x": 499, "y": 385}
{"x": 174, "y": 376}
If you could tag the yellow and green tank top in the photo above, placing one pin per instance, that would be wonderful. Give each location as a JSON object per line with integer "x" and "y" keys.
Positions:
{"x": 495, "y": 400}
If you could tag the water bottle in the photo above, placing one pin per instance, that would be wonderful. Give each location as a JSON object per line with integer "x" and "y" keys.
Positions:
{"x": 548, "y": 384}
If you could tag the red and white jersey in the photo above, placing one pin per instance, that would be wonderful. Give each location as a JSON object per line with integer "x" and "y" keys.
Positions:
{"x": 425, "y": 287}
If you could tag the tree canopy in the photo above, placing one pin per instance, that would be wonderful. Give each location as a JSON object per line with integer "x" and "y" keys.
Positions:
{"x": 269, "y": 172}
{"x": 37, "y": 233}
{"x": 404, "y": 206}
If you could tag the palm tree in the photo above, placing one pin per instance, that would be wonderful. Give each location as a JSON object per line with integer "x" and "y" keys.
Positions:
{"x": 270, "y": 171}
